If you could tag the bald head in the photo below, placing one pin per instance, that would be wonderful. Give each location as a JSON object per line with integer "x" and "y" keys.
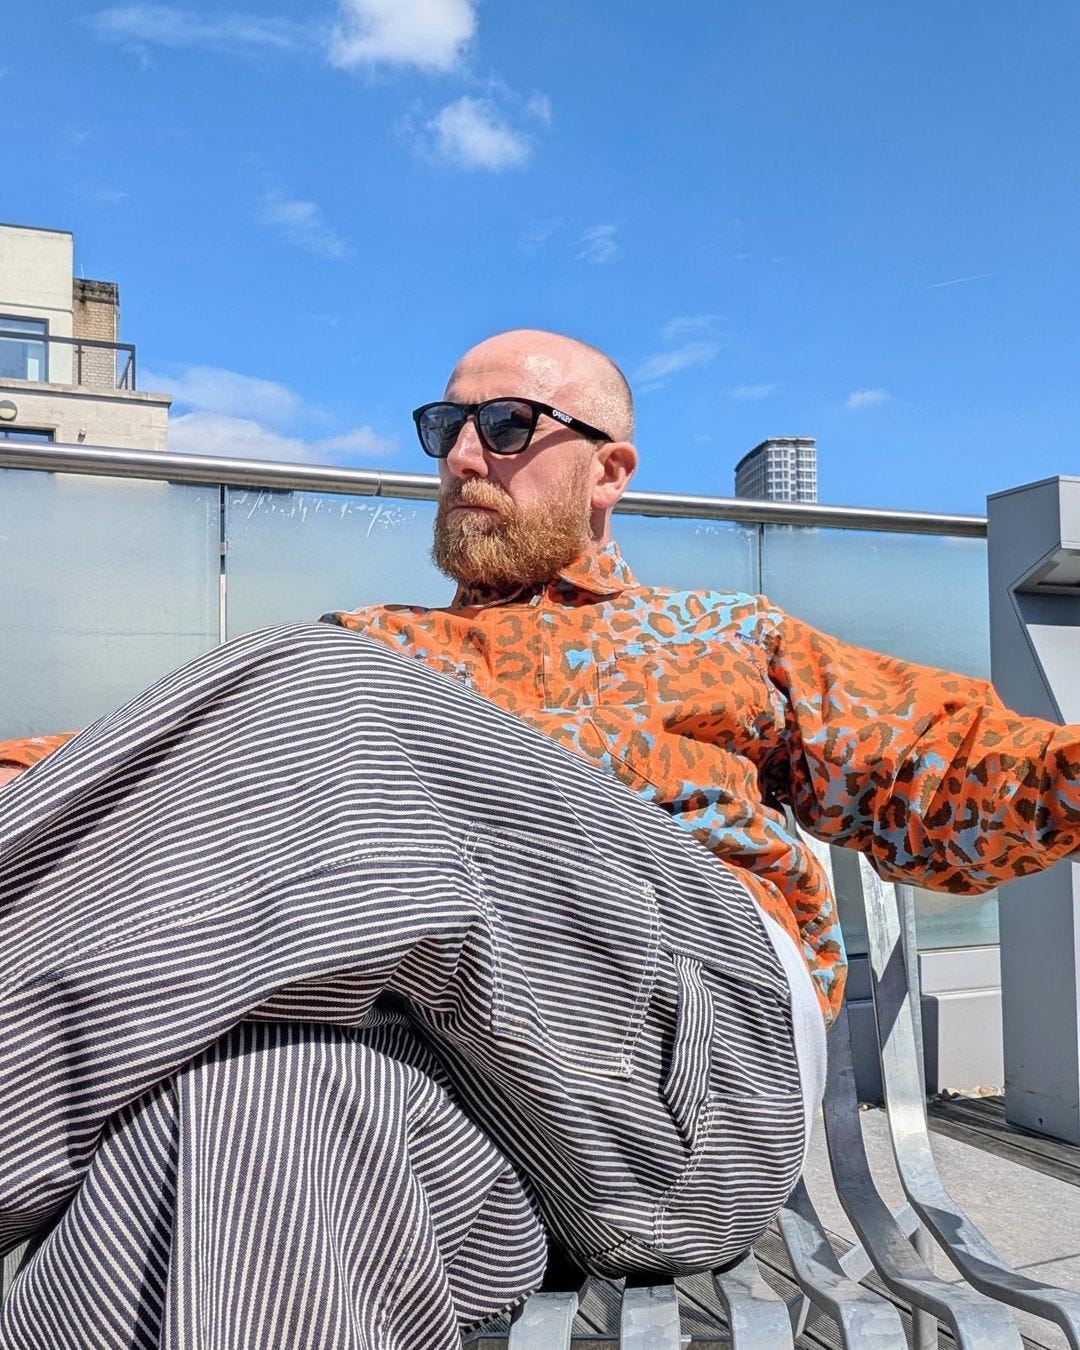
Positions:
{"x": 555, "y": 369}
{"x": 563, "y": 486}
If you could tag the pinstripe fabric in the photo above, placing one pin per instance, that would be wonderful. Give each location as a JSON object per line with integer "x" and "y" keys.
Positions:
{"x": 306, "y": 829}
{"x": 346, "y": 1162}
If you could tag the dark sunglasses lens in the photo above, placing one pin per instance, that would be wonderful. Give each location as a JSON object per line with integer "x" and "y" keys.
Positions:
{"x": 506, "y": 425}
{"x": 439, "y": 427}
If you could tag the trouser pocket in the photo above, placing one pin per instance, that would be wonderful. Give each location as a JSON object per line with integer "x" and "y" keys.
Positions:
{"x": 687, "y": 1083}
{"x": 732, "y": 1089}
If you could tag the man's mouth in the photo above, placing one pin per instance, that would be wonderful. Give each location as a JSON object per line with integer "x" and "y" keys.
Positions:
{"x": 469, "y": 503}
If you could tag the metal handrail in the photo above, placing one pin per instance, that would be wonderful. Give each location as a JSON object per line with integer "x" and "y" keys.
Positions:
{"x": 261, "y": 473}
{"x": 44, "y": 339}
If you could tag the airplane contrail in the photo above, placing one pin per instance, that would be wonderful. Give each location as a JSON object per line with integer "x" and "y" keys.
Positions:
{"x": 958, "y": 281}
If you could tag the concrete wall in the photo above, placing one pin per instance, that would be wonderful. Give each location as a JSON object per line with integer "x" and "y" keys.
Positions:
{"x": 35, "y": 272}
{"x": 35, "y": 283}
{"x": 128, "y": 420}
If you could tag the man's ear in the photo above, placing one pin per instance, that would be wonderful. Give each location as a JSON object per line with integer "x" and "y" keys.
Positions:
{"x": 613, "y": 467}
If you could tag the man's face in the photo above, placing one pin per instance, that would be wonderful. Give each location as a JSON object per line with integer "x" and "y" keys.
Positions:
{"x": 513, "y": 520}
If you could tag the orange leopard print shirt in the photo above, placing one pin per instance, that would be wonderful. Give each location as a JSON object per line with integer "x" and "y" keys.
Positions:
{"x": 721, "y": 710}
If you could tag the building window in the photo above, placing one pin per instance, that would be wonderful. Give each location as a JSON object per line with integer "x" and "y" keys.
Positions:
{"x": 25, "y": 434}
{"x": 23, "y": 350}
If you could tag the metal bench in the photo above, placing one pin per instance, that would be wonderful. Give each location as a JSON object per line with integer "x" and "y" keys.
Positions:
{"x": 897, "y": 1246}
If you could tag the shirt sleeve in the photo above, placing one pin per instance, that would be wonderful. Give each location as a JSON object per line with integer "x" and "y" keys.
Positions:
{"x": 927, "y": 772}
{"x": 32, "y": 748}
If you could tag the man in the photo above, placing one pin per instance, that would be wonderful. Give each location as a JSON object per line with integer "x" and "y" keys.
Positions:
{"x": 325, "y": 965}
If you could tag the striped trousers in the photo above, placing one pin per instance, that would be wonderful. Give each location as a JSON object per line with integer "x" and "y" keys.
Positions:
{"x": 329, "y": 989}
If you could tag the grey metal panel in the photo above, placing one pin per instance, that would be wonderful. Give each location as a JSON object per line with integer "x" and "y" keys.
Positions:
{"x": 958, "y": 969}
{"x": 862, "y": 1031}
{"x": 962, "y": 1039}
{"x": 757, "y": 1317}
{"x": 961, "y": 1031}
{"x": 1034, "y": 575}
{"x": 858, "y": 980}
{"x": 1040, "y": 995}
{"x": 963, "y": 1243}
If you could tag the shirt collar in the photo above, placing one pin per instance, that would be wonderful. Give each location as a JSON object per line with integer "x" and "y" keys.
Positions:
{"x": 601, "y": 572}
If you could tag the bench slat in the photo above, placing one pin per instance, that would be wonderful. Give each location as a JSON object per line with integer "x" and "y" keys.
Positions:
{"x": 757, "y": 1317}
{"x": 649, "y": 1319}
{"x": 545, "y": 1322}
{"x": 864, "y": 1318}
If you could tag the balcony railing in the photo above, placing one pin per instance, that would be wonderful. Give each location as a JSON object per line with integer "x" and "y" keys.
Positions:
{"x": 88, "y": 363}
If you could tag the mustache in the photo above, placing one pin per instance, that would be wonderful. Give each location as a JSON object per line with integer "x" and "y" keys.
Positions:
{"x": 476, "y": 492}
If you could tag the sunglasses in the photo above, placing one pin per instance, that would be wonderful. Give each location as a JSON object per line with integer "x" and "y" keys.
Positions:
{"x": 504, "y": 426}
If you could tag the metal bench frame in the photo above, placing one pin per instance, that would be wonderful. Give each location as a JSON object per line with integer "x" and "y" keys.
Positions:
{"x": 898, "y": 1246}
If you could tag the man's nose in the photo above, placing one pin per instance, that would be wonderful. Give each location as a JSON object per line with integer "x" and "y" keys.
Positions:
{"x": 467, "y": 459}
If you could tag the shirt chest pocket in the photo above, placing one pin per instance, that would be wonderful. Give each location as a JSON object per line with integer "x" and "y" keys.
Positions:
{"x": 608, "y": 672}
{"x": 675, "y": 712}
{"x": 602, "y": 671}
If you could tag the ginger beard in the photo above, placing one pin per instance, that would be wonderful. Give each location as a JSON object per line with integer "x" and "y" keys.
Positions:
{"x": 509, "y": 545}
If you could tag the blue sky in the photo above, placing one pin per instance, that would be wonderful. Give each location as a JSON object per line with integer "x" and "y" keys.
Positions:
{"x": 850, "y": 221}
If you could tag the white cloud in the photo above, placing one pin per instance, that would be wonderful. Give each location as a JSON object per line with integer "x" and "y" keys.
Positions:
{"x": 430, "y": 34}
{"x": 540, "y": 107}
{"x": 683, "y": 326}
{"x": 866, "y": 398}
{"x": 100, "y": 194}
{"x": 75, "y": 138}
{"x": 598, "y": 244}
{"x": 471, "y": 134}
{"x": 690, "y": 342}
{"x": 244, "y": 417}
{"x": 537, "y": 234}
{"x": 745, "y": 393}
{"x": 168, "y": 26}
{"x": 359, "y": 441}
{"x": 212, "y": 389}
{"x": 210, "y": 433}
{"x": 301, "y": 224}
{"x": 656, "y": 368}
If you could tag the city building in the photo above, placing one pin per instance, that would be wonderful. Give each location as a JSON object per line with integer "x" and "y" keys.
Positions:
{"x": 780, "y": 469}
{"x": 64, "y": 374}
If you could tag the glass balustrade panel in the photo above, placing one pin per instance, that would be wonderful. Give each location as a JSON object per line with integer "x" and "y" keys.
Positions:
{"x": 920, "y": 597}
{"x": 685, "y": 554}
{"x": 293, "y": 556}
{"x": 106, "y": 584}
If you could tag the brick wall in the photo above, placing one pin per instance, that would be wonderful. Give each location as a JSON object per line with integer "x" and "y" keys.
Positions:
{"x": 96, "y": 314}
